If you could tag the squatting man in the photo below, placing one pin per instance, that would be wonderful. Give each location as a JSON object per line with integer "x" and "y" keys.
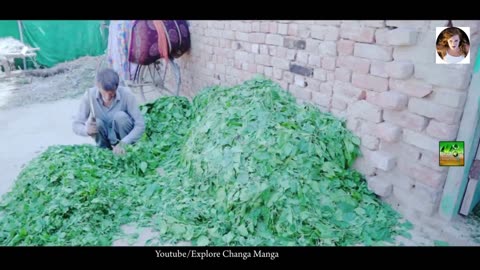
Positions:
{"x": 109, "y": 113}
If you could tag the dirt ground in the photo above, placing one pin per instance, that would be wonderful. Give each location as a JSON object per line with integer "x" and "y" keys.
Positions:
{"x": 70, "y": 81}
{"x": 37, "y": 112}
{"x": 29, "y": 130}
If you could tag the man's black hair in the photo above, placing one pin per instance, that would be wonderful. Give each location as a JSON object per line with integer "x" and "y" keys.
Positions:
{"x": 108, "y": 79}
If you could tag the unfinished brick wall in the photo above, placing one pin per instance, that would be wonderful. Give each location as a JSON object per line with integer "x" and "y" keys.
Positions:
{"x": 379, "y": 75}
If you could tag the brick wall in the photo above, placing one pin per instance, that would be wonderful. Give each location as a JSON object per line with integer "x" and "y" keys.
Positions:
{"x": 380, "y": 76}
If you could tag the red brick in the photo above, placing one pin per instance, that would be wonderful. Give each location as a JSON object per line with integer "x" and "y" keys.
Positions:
{"x": 256, "y": 37}
{"x": 290, "y": 54}
{"x": 324, "y": 32}
{"x": 371, "y": 51}
{"x": 405, "y": 119}
{"x": 340, "y": 102}
{"x": 315, "y": 61}
{"x": 268, "y": 71}
{"x": 377, "y": 68}
{"x": 427, "y": 193}
{"x": 381, "y": 160}
{"x": 256, "y": 26}
{"x": 411, "y": 87}
{"x": 399, "y": 69}
{"x": 355, "y": 64}
{"x": 388, "y": 132}
{"x": 431, "y": 160}
{"x": 313, "y": 84}
{"x": 397, "y": 178}
{"x": 364, "y": 166}
{"x": 381, "y": 36}
{"x": 241, "y": 36}
{"x": 402, "y": 150}
{"x": 369, "y": 82}
{"x": 411, "y": 201}
{"x": 311, "y": 45}
{"x": 343, "y": 74}
{"x": 443, "y": 75}
{"x": 282, "y": 28}
{"x": 273, "y": 27}
{"x": 451, "y": 98}
{"x": 280, "y": 63}
{"x": 379, "y": 186}
{"x": 348, "y": 90}
{"x": 428, "y": 176}
{"x": 292, "y": 29}
{"x": 338, "y": 113}
{"x": 272, "y": 50}
{"x": 280, "y": 52}
{"x": 388, "y": 100}
{"x": 264, "y": 27}
{"x": 299, "y": 81}
{"x": 370, "y": 142}
{"x": 301, "y": 93}
{"x": 356, "y": 33}
{"x": 439, "y": 112}
{"x": 244, "y": 57}
{"x": 321, "y": 99}
{"x": 410, "y": 24}
{"x": 278, "y": 73}
{"x": 328, "y": 62}
{"x": 365, "y": 110}
{"x": 327, "y": 48}
{"x": 373, "y": 23}
{"x": 326, "y": 87}
{"x": 263, "y": 59}
{"x": 302, "y": 57}
{"x": 420, "y": 140}
{"x": 320, "y": 74}
{"x": 402, "y": 37}
{"x": 441, "y": 130}
{"x": 274, "y": 39}
{"x": 353, "y": 123}
{"x": 345, "y": 47}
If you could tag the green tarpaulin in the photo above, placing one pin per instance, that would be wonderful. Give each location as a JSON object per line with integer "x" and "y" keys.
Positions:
{"x": 59, "y": 41}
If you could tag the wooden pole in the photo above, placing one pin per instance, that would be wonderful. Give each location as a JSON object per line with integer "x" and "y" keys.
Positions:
{"x": 20, "y": 30}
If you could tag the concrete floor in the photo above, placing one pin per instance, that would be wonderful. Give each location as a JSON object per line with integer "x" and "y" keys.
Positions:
{"x": 27, "y": 131}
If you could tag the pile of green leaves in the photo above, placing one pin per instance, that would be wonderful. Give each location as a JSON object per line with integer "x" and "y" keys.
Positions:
{"x": 80, "y": 195}
{"x": 242, "y": 165}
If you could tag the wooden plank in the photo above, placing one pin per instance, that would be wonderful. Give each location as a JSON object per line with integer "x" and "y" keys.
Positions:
{"x": 13, "y": 73}
{"x": 476, "y": 198}
{"x": 478, "y": 153}
{"x": 475, "y": 170}
{"x": 469, "y": 132}
{"x": 471, "y": 197}
{"x": 6, "y": 66}
{"x": 20, "y": 30}
{"x": 18, "y": 55}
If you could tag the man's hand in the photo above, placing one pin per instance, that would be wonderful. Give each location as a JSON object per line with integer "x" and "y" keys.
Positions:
{"x": 92, "y": 127}
{"x": 118, "y": 149}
